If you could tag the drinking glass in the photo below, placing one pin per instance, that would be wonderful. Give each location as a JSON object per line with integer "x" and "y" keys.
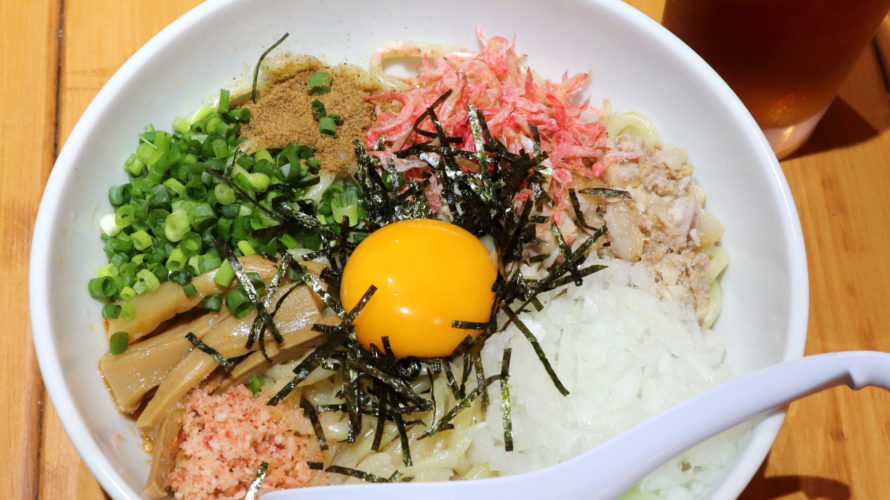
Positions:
{"x": 786, "y": 59}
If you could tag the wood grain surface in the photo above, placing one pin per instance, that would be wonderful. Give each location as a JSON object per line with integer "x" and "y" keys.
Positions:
{"x": 56, "y": 54}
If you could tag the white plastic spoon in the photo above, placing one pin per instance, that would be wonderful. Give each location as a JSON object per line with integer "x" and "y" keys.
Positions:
{"x": 611, "y": 468}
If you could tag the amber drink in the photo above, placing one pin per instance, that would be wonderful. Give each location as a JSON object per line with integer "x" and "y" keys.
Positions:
{"x": 786, "y": 59}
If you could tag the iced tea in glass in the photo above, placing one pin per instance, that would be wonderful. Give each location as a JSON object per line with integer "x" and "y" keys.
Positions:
{"x": 786, "y": 59}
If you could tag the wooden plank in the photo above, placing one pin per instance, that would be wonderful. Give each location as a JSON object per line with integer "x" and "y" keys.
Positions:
{"x": 29, "y": 58}
{"x": 98, "y": 38}
{"x": 651, "y": 8}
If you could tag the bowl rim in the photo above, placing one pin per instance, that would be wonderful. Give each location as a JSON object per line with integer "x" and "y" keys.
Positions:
{"x": 50, "y": 366}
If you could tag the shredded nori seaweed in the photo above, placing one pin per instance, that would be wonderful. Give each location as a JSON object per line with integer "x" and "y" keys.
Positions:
{"x": 222, "y": 361}
{"x": 256, "y": 69}
{"x": 505, "y": 400}
{"x": 367, "y": 476}
{"x": 254, "y": 488}
{"x": 311, "y": 413}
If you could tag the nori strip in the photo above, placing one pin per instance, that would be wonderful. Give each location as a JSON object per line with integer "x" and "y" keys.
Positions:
{"x": 565, "y": 280}
{"x": 403, "y": 440}
{"x": 449, "y": 375}
{"x": 469, "y": 325}
{"x": 312, "y": 415}
{"x": 361, "y": 305}
{"x": 256, "y": 69}
{"x": 567, "y": 253}
{"x": 381, "y": 416}
{"x": 576, "y": 207}
{"x": 258, "y": 324}
{"x": 358, "y": 474}
{"x": 310, "y": 363}
{"x": 537, "y": 347}
{"x": 476, "y": 358}
{"x": 254, "y": 489}
{"x": 226, "y": 363}
{"x": 351, "y": 395}
{"x": 323, "y": 294}
{"x": 249, "y": 289}
{"x": 396, "y": 384}
{"x": 606, "y": 192}
{"x": 461, "y": 405}
{"x": 505, "y": 400}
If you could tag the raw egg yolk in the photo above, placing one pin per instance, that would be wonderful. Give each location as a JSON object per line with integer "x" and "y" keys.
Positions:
{"x": 428, "y": 273}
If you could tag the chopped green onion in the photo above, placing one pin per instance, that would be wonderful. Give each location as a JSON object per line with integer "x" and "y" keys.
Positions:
{"x": 238, "y": 302}
{"x": 192, "y": 243}
{"x": 224, "y": 275}
{"x": 121, "y": 243}
{"x": 111, "y": 311}
{"x": 224, "y": 194}
{"x": 190, "y": 290}
{"x": 175, "y": 186}
{"x": 245, "y": 248}
{"x": 318, "y": 109}
{"x": 118, "y": 195}
{"x": 288, "y": 241}
{"x": 255, "y": 384}
{"x": 176, "y": 225}
{"x": 181, "y": 277}
{"x": 208, "y": 263}
{"x": 108, "y": 224}
{"x": 327, "y": 125}
{"x": 128, "y": 311}
{"x": 201, "y": 113}
{"x": 345, "y": 205}
{"x": 127, "y": 293}
{"x": 177, "y": 260}
{"x": 320, "y": 83}
{"x": 149, "y": 279}
{"x": 181, "y": 125}
{"x": 106, "y": 286}
{"x": 141, "y": 239}
{"x": 201, "y": 216}
{"x": 259, "y": 181}
{"x": 223, "y": 101}
{"x": 263, "y": 154}
{"x": 240, "y": 114}
{"x": 107, "y": 270}
{"x": 118, "y": 343}
{"x": 213, "y": 303}
{"x": 124, "y": 216}
{"x": 134, "y": 166}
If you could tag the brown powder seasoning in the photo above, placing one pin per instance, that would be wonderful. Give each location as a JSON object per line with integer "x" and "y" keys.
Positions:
{"x": 283, "y": 112}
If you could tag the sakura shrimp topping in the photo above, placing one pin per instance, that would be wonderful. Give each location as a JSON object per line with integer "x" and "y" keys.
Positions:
{"x": 511, "y": 97}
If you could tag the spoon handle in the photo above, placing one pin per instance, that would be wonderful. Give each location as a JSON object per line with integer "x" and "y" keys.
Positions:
{"x": 611, "y": 468}
{"x": 631, "y": 455}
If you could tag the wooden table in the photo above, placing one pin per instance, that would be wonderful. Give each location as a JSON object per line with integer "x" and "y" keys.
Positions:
{"x": 56, "y": 54}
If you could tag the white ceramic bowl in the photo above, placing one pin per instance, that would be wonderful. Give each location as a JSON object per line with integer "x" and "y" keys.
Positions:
{"x": 636, "y": 64}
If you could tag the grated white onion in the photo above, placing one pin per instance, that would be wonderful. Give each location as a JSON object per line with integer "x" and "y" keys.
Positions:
{"x": 624, "y": 354}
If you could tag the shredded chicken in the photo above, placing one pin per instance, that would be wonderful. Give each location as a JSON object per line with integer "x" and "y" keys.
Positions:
{"x": 663, "y": 222}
